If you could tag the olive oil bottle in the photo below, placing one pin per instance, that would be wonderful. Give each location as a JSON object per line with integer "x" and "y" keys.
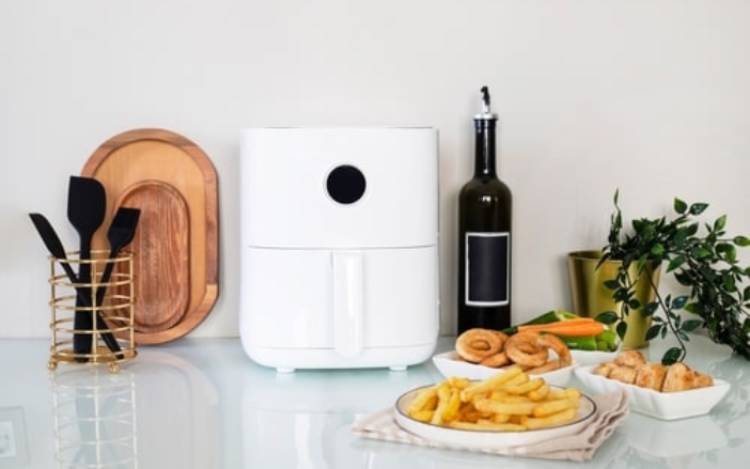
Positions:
{"x": 484, "y": 219}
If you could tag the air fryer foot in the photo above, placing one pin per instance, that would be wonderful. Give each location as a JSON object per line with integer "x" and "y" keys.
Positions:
{"x": 397, "y": 367}
{"x": 284, "y": 370}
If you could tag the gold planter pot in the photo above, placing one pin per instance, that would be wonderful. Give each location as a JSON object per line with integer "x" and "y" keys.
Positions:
{"x": 591, "y": 297}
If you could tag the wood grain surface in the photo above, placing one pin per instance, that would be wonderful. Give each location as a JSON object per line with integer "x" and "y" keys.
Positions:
{"x": 161, "y": 244}
{"x": 174, "y": 184}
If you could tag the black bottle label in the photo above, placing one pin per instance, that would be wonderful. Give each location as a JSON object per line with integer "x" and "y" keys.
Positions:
{"x": 487, "y": 268}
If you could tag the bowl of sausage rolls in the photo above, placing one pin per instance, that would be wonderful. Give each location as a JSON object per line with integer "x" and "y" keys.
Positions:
{"x": 667, "y": 392}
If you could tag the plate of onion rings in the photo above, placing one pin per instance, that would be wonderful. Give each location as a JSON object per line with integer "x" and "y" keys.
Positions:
{"x": 480, "y": 353}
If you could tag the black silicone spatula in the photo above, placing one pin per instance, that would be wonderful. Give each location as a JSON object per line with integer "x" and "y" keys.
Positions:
{"x": 53, "y": 243}
{"x": 87, "y": 203}
{"x": 120, "y": 234}
{"x": 55, "y": 247}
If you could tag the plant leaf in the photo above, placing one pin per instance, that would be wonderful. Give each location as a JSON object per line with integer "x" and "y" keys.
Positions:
{"x": 679, "y": 302}
{"x": 607, "y": 317}
{"x": 621, "y": 295}
{"x": 679, "y": 206}
{"x": 622, "y": 329}
{"x": 742, "y": 241}
{"x": 726, "y": 251}
{"x": 698, "y": 208}
{"x": 746, "y": 293}
{"x": 650, "y": 308}
{"x": 671, "y": 356}
{"x": 729, "y": 283}
{"x": 642, "y": 262}
{"x": 657, "y": 249}
{"x": 634, "y": 304}
{"x": 683, "y": 279}
{"x": 653, "y": 331}
{"x": 702, "y": 253}
{"x": 612, "y": 284}
{"x": 691, "y": 324}
{"x": 676, "y": 262}
{"x": 720, "y": 223}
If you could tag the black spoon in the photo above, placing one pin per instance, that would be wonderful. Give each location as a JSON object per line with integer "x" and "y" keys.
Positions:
{"x": 87, "y": 203}
{"x": 55, "y": 247}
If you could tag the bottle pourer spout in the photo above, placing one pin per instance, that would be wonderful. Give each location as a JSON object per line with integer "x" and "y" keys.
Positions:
{"x": 486, "y": 113}
{"x": 485, "y": 100}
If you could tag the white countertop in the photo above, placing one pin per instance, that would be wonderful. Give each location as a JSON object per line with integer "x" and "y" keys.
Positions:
{"x": 201, "y": 403}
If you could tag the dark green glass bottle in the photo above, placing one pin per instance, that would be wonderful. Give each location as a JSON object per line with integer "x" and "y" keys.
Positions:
{"x": 484, "y": 220}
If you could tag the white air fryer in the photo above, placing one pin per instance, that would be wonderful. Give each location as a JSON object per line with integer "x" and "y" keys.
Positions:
{"x": 339, "y": 247}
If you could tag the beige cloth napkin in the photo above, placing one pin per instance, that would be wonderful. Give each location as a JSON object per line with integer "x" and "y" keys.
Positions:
{"x": 611, "y": 410}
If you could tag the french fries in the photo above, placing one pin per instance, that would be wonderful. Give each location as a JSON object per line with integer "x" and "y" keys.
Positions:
{"x": 509, "y": 401}
{"x": 539, "y": 393}
{"x": 510, "y": 408}
{"x": 526, "y": 387}
{"x": 490, "y": 384}
{"x": 443, "y": 393}
{"x": 546, "y": 409}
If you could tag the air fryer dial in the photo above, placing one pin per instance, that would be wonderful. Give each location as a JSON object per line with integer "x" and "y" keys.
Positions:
{"x": 346, "y": 184}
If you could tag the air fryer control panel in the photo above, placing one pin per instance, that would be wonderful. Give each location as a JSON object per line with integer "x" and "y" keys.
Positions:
{"x": 340, "y": 188}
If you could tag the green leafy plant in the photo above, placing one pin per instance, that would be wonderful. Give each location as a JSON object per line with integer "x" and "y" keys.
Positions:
{"x": 704, "y": 261}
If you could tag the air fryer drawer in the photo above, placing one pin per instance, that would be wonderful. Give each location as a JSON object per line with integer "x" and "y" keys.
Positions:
{"x": 289, "y": 298}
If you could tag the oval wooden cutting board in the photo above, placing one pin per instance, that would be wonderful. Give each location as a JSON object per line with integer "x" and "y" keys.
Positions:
{"x": 175, "y": 248}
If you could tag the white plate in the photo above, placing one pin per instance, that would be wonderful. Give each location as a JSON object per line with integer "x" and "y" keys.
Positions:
{"x": 488, "y": 439}
{"x": 662, "y": 405}
{"x": 449, "y": 364}
{"x": 584, "y": 357}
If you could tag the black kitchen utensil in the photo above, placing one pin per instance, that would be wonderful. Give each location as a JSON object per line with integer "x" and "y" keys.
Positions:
{"x": 53, "y": 243}
{"x": 87, "y": 203}
{"x": 55, "y": 247}
{"x": 120, "y": 234}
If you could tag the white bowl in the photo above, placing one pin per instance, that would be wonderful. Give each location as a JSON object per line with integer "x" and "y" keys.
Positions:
{"x": 585, "y": 357}
{"x": 662, "y": 405}
{"x": 449, "y": 364}
{"x": 488, "y": 439}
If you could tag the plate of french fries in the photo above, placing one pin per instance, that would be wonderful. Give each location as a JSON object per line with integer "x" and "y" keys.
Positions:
{"x": 508, "y": 409}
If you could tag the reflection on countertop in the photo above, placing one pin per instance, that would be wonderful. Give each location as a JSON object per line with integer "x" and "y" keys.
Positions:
{"x": 94, "y": 418}
{"x": 201, "y": 403}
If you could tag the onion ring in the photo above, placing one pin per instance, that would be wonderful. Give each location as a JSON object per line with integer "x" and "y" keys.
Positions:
{"x": 474, "y": 345}
{"x": 551, "y": 365}
{"x": 531, "y": 349}
{"x": 496, "y": 361}
{"x": 523, "y": 349}
{"x": 562, "y": 351}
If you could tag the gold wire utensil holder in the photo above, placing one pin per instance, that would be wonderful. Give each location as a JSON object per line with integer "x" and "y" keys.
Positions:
{"x": 116, "y": 310}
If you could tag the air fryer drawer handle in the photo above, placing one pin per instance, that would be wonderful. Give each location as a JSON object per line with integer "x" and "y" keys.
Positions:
{"x": 348, "y": 302}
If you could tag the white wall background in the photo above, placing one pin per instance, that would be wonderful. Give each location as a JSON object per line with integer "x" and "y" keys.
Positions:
{"x": 652, "y": 96}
